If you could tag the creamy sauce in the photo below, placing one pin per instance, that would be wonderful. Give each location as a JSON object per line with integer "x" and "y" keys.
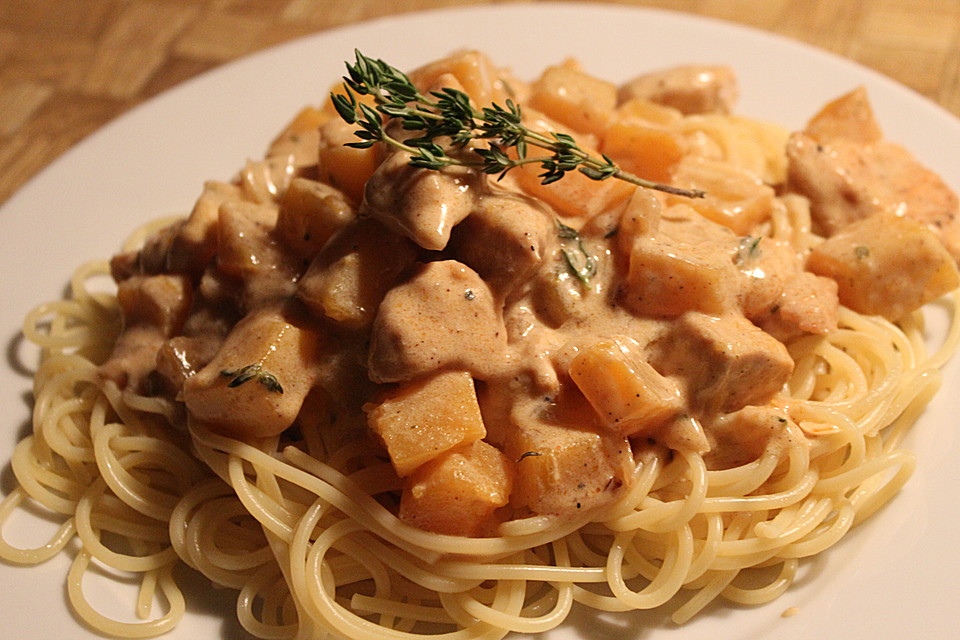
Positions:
{"x": 284, "y": 304}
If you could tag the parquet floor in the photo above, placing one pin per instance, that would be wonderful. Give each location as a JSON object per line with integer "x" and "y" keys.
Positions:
{"x": 69, "y": 66}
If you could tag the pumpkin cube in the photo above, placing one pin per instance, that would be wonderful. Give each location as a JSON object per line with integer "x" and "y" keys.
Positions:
{"x": 458, "y": 492}
{"x": 350, "y": 276}
{"x": 564, "y": 469}
{"x": 627, "y": 393}
{"x": 886, "y": 265}
{"x": 577, "y": 99}
{"x": 425, "y": 418}
{"x": 310, "y": 214}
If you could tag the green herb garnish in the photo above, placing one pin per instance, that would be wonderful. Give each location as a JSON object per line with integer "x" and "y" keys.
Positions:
{"x": 250, "y": 372}
{"x": 579, "y": 261}
{"x": 529, "y": 454}
{"x": 748, "y": 249}
{"x": 448, "y": 114}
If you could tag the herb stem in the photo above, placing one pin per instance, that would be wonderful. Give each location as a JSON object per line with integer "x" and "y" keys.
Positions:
{"x": 447, "y": 115}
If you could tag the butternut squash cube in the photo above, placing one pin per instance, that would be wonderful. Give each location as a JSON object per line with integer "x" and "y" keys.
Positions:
{"x": 458, "y": 492}
{"x": 667, "y": 278}
{"x": 564, "y": 469}
{"x": 627, "y": 393}
{"x": 849, "y": 117}
{"x": 886, "y": 265}
{"x": 736, "y": 198}
{"x": 301, "y": 137}
{"x": 575, "y": 195}
{"x": 649, "y": 112}
{"x": 244, "y": 242}
{"x": 474, "y": 72}
{"x": 343, "y": 167}
{"x": 579, "y": 100}
{"x": 647, "y": 150}
{"x": 423, "y": 419}
{"x": 310, "y": 214}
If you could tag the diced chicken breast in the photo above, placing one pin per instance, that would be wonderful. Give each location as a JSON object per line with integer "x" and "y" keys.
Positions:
{"x": 689, "y": 88}
{"x": 849, "y": 172}
{"x": 743, "y": 436}
{"x": 725, "y": 362}
{"x": 445, "y": 316}
{"x": 423, "y": 204}
{"x": 255, "y": 385}
{"x": 154, "y": 309}
{"x": 504, "y": 240}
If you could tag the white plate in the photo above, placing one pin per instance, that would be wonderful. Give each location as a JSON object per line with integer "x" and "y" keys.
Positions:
{"x": 894, "y": 578}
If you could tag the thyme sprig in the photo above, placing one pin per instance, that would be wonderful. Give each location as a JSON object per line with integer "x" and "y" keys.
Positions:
{"x": 447, "y": 114}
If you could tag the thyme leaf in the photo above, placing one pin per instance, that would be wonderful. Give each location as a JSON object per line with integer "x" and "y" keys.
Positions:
{"x": 748, "y": 249}
{"x": 251, "y": 372}
{"x": 578, "y": 259}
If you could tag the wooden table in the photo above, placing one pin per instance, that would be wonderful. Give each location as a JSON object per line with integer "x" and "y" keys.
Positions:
{"x": 69, "y": 66}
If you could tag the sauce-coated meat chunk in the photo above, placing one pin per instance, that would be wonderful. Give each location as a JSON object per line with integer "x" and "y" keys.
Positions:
{"x": 445, "y": 316}
{"x": 688, "y": 88}
{"x": 725, "y": 362}
{"x": 849, "y": 171}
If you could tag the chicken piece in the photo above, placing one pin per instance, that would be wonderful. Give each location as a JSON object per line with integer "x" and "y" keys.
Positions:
{"x": 422, "y": 204}
{"x": 724, "y": 363}
{"x": 196, "y": 241}
{"x": 249, "y": 252}
{"x": 765, "y": 265}
{"x": 154, "y": 309}
{"x": 445, "y": 316}
{"x": 849, "y": 172}
{"x": 808, "y": 304}
{"x": 778, "y": 295}
{"x": 743, "y": 436}
{"x": 256, "y": 383}
{"x": 180, "y": 357}
{"x": 504, "y": 240}
{"x": 886, "y": 265}
{"x": 162, "y": 301}
{"x": 689, "y": 88}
